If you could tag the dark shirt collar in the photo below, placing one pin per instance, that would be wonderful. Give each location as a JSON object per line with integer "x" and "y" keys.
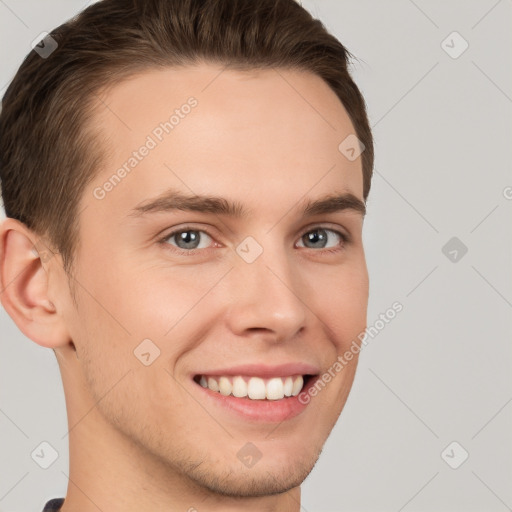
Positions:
{"x": 54, "y": 505}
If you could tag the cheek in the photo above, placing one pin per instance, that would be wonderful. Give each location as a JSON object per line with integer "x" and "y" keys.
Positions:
{"x": 144, "y": 301}
{"x": 123, "y": 302}
{"x": 344, "y": 304}
{"x": 175, "y": 307}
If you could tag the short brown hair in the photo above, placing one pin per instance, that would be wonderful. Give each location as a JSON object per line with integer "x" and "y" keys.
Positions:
{"x": 48, "y": 152}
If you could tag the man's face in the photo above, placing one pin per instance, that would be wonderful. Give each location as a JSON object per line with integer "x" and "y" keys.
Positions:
{"x": 271, "y": 294}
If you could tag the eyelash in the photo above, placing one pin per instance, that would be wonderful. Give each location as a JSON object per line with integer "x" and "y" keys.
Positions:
{"x": 345, "y": 239}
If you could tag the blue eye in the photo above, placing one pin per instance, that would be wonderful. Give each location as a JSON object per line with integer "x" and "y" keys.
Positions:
{"x": 188, "y": 239}
{"x": 322, "y": 238}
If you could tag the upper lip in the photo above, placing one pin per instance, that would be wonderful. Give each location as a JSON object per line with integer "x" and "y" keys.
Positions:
{"x": 265, "y": 371}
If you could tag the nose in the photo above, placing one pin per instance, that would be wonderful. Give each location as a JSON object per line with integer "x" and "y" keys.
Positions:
{"x": 265, "y": 300}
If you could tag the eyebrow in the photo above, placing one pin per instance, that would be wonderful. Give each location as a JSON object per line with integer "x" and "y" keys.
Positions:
{"x": 175, "y": 200}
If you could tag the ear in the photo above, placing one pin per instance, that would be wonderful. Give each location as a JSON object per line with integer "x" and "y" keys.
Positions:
{"x": 24, "y": 261}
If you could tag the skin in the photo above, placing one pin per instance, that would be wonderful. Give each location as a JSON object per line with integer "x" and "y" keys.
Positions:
{"x": 143, "y": 437}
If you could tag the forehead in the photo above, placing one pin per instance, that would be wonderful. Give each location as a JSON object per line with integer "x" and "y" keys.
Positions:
{"x": 209, "y": 130}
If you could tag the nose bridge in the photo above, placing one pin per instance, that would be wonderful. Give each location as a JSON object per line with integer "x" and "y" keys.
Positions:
{"x": 264, "y": 295}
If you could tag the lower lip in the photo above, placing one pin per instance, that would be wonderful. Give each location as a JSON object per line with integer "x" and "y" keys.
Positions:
{"x": 265, "y": 411}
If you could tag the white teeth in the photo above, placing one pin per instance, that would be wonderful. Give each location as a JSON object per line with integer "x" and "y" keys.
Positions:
{"x": 225, "y": 386}
{"x": 297, "y": 385}
{"x": 288, "y": 386}
{"x": 275, "y": 389}
{"x": 213, "y": 384}
{"x": 239, "y": 387}
{"x": 255, "y": 388}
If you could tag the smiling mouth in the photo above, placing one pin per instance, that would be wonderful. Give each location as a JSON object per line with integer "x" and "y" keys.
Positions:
{"x": 254, "y": 388}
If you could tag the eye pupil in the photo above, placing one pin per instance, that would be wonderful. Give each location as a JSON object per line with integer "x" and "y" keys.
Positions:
{"x": 318, "y": 237}
{"x": 187, "y": 239}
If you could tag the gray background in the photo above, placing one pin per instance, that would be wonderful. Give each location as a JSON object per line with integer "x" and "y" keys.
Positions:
{"x": 440, "y": 371}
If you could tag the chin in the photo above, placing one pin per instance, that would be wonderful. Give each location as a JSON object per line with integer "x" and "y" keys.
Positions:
{"x": 258, "y": 481}
{"x": 272, "y": 474}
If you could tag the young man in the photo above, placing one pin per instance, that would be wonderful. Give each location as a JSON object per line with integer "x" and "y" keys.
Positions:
{"x": 185, "y": 185}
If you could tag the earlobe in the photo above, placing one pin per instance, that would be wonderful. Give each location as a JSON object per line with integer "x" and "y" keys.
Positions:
{"x": 24, "y": 261}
